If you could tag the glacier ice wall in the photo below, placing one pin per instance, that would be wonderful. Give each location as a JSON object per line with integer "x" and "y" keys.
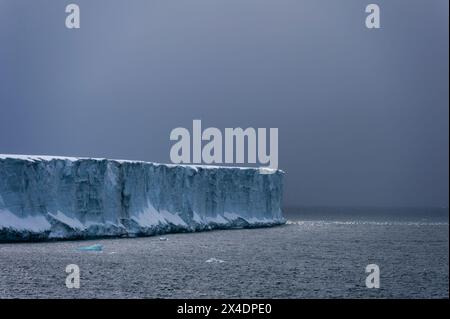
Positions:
{"x": 44, "y": 198}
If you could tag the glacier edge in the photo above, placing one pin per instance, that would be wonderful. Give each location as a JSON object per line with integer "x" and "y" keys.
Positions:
{"x": 47, "y": 198}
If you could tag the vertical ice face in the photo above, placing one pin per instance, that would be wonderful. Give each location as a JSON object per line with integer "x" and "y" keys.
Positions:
{"x": 56, "y": 197}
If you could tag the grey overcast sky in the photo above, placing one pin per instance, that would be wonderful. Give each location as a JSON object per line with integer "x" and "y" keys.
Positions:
{"x": 362, "y": 114}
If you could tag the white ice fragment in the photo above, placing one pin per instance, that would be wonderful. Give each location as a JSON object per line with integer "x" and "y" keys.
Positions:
{"x": 214, "y": 260}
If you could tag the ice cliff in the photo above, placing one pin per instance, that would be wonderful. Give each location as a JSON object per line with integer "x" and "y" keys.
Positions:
{"x": 43, "y": 198}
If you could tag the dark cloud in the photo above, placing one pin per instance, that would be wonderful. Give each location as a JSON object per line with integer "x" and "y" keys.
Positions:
{"x": 362, "y": 114}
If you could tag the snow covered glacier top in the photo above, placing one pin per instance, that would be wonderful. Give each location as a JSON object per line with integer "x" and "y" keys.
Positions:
{"x": 49, "y": 197}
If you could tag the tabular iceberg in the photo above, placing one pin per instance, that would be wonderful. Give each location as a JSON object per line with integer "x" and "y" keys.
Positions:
{"x": 44, "y": 198}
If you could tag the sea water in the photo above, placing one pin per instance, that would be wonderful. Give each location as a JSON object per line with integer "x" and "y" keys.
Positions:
{"x": 319, "y": 253}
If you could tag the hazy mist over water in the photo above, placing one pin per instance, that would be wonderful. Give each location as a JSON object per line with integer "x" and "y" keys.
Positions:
{"x": 376, "y": 214}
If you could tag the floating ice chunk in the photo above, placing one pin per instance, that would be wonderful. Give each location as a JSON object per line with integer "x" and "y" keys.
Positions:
{"x": 96, "y": 247}
{"x": 215, "y": 260}
{"x": 163, "y": 238}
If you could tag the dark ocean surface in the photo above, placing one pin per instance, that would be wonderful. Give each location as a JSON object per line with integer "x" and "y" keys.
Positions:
{"x": 319, "y": 253}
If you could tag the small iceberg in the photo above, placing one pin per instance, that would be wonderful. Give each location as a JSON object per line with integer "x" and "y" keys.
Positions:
{"x": 215, "y": 260}
{"x": 163, "y": 238}
{"x": 96, "y": 247}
